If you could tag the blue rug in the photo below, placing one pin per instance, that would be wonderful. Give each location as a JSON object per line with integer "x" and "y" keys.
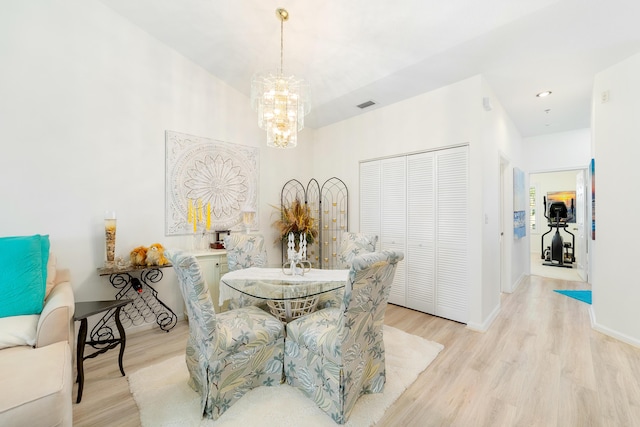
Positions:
{"x": 584, "y": 296}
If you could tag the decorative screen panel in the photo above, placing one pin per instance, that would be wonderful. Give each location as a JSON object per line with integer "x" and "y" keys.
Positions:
{"x": 334, "y": 219}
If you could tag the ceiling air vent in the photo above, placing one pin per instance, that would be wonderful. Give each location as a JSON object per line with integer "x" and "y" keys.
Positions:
{"x": 366, "y": 104}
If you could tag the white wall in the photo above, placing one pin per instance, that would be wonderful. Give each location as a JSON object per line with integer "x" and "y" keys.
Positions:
{"x": 448, "y": 116}
{"x": 558, "y": 151}
{"x": 616, "y": 151}
{"x": 503, "y": 143}
{"x": 86, "y": 99}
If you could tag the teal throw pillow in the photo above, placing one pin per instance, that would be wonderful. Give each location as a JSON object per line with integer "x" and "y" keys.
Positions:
{"x": 23, "y": 274}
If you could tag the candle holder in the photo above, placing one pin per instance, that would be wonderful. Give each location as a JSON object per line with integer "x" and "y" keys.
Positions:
{"x": 296, "y": 264}
{"x": 248, "y": 217}
{"x": 201, "y": 237}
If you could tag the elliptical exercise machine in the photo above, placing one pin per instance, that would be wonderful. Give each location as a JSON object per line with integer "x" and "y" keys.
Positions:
{"x": 559, "y": 254}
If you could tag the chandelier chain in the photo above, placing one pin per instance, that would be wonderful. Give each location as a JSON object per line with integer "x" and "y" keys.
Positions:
{"x": 281, "y": 46}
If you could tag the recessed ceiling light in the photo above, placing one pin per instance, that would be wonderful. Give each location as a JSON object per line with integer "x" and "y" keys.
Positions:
{"x": 543, "y": 94}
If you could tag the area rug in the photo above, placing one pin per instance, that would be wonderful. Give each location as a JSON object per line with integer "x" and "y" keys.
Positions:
{"x": 584, "y": 296}
{"x": 165, "y": 399}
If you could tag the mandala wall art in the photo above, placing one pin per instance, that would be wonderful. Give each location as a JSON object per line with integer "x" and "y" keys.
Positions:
{"x": 202, "y": 174}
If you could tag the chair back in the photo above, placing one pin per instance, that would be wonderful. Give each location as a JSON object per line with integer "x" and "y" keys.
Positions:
{"x": 367, "y": 290}
{"x": 354, "y": 244}
{"x": 195, "y": 292}
{"x": 245, "y": 250}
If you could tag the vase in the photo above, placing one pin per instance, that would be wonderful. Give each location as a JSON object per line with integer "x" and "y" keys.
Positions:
{"x": 110, "y": 237}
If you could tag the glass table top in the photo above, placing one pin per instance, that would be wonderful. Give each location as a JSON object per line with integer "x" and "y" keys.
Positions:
{"x": 274, "y": 284}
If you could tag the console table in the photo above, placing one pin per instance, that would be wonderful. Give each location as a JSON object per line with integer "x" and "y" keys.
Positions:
{"x": 145, "y": 306}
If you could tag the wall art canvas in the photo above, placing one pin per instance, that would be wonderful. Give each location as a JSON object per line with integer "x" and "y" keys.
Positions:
{"x": 519, "y": 205}
{"x": 220, "y": 176}
{"x": 569, "y": 200}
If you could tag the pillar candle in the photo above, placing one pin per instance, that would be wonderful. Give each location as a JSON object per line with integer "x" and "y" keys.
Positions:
{"x": 303, "y": 249}
{"x": 208, "y": 216}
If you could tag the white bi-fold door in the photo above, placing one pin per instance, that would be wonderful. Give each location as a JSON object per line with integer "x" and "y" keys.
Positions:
{"x": 418, "y": 204}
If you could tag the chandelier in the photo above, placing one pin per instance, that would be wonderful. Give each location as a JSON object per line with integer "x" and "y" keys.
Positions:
{"x": 281, "y": 101}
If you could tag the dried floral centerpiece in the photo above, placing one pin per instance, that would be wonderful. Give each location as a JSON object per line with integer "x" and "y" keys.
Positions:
{"x": 296, "y": 219}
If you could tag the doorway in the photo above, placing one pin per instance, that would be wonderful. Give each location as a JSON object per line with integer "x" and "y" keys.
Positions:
{"x": 505, "y": 248}
{"x": 549, "y": 185}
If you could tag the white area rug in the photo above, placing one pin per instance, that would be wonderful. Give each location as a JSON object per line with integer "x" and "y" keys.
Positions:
{"x": 165, "y": 399}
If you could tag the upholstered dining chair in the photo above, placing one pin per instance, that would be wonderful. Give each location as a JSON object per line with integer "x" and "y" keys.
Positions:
{"x": 335, "y": 355}
{"x": 244, "y": 251}
{"x": 351, "y": 245}
{"x": 354, "y": 244}
{"x": 227, "y": 353}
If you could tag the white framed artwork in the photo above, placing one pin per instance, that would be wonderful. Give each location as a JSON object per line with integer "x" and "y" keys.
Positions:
{"x": 222, "y": 177}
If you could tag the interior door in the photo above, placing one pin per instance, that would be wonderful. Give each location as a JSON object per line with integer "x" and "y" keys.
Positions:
{"x": 370, "y": 198}
{"x": 452, "y": 235}
{"x": 393, "y": 220}
{"x": 581, "y": 241}
{"x": 421, "y": 252}
{"x": 505, "y": 283}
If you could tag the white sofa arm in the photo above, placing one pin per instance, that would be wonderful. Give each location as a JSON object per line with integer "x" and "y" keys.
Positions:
{"x": 56, "y": 320}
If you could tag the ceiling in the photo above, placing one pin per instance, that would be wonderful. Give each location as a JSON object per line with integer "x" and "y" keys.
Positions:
{"x": 359, "y": 50}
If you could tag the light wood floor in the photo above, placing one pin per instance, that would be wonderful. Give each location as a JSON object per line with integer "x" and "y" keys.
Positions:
{"x": 540, "y": 364}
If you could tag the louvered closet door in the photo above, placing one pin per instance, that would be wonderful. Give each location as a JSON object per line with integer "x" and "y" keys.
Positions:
{"x": 370, "y": 198}
{"x": 393, "y": 220}
{"x": 420, "y": 255}
{"x": 452, "y": 292}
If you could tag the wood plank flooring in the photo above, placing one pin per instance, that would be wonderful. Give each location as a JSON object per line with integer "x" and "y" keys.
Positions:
{"x": 540, "y": 364}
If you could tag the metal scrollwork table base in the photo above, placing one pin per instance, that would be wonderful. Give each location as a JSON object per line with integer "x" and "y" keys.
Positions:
{"x": 145, "y": 306}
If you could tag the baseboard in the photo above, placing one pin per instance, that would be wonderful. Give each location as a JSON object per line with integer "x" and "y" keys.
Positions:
{"x": 521, "y": 279}
{"x": 484, "y": 326}
{"x": 610, "y": 332}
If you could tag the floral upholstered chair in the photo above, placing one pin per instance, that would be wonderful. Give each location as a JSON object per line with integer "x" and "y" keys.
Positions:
{"x": 336, "y": 355}
{"x": 244, "y": 251}
{"x": 352, "y": 245}
{"x": 228, "y": 353}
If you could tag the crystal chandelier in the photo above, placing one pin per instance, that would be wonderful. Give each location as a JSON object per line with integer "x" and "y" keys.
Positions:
{"x": 281, "y": 101}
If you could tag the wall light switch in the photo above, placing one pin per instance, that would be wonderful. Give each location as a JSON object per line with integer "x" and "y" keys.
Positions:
{"x": 604, "y": 97}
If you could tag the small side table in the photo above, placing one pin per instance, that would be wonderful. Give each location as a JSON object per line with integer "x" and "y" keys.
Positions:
{"x": 84, "y": 310}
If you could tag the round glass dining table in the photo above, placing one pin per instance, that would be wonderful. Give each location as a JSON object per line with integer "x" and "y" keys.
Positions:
{"x": 288, "y": 296}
